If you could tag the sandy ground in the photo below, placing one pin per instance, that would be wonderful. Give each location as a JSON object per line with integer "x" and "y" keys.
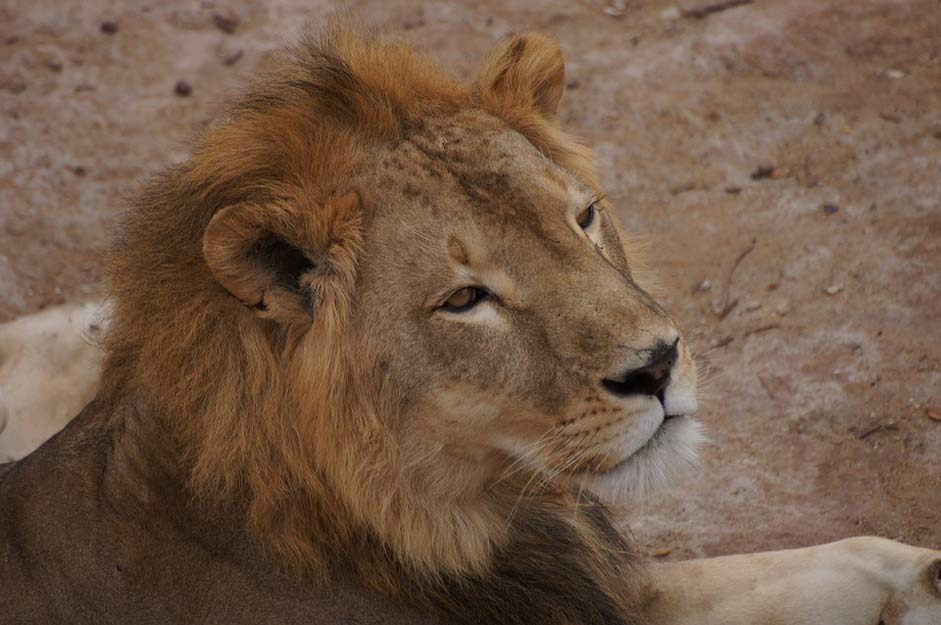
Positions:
{"x": 802, "y": 137}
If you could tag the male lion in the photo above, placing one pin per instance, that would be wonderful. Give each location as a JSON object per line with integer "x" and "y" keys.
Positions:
{"x": 382, "y": 328}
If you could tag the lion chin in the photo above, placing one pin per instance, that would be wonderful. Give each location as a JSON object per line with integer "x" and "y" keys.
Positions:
{"x": 670, "y": 455}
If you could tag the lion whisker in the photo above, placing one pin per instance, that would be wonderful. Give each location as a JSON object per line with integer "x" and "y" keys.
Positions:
{"x": 529, "y": 452}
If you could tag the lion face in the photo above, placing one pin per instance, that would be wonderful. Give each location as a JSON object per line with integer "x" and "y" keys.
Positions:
{"x": 499, "y": 296}
{"x": 410, "y": 301}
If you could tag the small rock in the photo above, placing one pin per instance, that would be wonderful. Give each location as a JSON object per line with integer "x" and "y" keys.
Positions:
{"x": 670, "y": 14}
{"x": 890, "y": 117}
{"x": 225, "y": 23}
{"x": 78, "y": 170}
{"x": 830, "y": 208}
{"x": 109, "y": 27}
{"x": 782, "y": 309}
{"x": 762, "y": 172}
{"x": 228, "y": 52}
{"x": 52, "y": 58}
{"x": 572, "y": 85}
{"x": 934, "y": 413}
{"x": 182, "y": 88}
{"x": 615, "y": 8}
{"x": 13, "y": 85}
{"x": 833, "y": 289}
{"x": 819, "y": 119}
{"x": 895, "y": 73}
{"x": 705, "y": 285}
{"x": 684, "y": 187}
{"x": 662, "y": 552}
{"x": 233, "y": 58}
{"x": 752, "y": 306}
{"x": 733, "y": 190}
{"x": 413, "y": 24}
{"x": 178, "y": 156}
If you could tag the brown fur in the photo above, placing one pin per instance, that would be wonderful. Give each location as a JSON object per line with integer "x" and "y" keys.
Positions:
{"x": 247, "y": 322}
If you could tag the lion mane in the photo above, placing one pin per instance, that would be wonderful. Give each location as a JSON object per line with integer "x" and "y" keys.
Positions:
{"x": 256, "y": 427}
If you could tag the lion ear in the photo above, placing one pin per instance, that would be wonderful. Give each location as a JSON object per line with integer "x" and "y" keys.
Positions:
{"x": 257, "y": 254}
{"x": 526, "y": 70}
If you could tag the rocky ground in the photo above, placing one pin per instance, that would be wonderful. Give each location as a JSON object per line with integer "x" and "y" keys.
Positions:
{"x": 782, "y": 158}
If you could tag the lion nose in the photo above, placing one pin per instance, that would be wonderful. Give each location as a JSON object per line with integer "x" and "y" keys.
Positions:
{"x": 652, "y": 378}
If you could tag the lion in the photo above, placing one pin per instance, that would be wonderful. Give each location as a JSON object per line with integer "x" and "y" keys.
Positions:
{"x": 49, "y": 369}
{"x": 379, "y": 347}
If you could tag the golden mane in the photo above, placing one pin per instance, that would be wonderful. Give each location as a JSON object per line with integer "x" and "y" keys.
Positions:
{"x": 204, "y": 362}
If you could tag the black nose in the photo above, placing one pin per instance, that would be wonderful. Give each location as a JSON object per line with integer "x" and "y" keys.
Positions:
{"x": 652, "y": 378}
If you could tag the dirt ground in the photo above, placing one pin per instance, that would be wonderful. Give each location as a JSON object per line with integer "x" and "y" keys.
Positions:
{"x": 796, "y": 141}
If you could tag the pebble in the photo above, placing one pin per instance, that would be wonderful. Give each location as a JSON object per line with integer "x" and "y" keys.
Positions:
{"x": 833, "y": 289}
{"x": 615, "y": 8}
{"x": 895, "y": 73}
{"x": 763, "y": 171}
{"x": 228, "y": 52}
{"x": 782, "y": 309}
{"x": 182, "y": 88}
{"x": 233, "y": 58}
{"x": 670, "y": 13}
{"x": 662, "y": 552}
{"x": 178, "y": 156}
{"x": 934, "y": 414}
{"x": 225, "y": 23}
{"x": 752, "y": 306}
{"x": 109, "y": 27}
{"x": 830, "y": 208}
{"x": 705, "y": 285}
{"x": 52, "y": 58}
{"x": 13, "y": 85}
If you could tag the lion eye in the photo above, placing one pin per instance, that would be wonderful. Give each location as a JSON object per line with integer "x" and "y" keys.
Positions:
{"x": 464, "y": 299}
{"x": 586, "y": 217}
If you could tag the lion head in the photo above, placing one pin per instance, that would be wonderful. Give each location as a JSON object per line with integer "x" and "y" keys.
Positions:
{"x": 380, "y": 302}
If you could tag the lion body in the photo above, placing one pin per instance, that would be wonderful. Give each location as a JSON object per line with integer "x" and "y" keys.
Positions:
{"x": 89, "y": 534}
{"x": 284, "y": 399}
{"x": 49, "y": 369}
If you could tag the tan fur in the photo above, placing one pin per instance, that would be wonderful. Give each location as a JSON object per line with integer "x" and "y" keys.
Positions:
{"x": 264, "y": 404}
{"x": 49, "y": 369}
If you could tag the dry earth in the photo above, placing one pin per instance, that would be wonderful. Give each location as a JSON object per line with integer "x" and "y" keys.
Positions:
{"x": 806, "y": 131}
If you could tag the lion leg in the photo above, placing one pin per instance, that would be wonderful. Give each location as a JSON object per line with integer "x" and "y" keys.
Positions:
{"x": 857, "y": 581}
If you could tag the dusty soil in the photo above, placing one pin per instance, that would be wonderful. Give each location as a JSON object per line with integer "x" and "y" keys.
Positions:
{"x": 805, "y": 131}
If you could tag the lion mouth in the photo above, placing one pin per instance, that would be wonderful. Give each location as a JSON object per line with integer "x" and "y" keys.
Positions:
{"x": 654, "y": 440}
{"x": 667, "y": 457}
